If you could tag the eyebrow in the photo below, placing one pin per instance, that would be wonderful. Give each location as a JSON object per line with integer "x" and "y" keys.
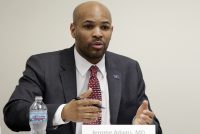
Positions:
{"x": 90, "y": 21}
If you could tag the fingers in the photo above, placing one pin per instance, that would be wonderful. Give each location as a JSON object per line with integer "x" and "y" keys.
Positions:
{"x": 146, "y": 117}
{"x": 83, "y": 101}
{"x": 89, "y": 117}
{"x": 82, "y": 109}
{"x": 88, "y": 102}
{"x": 86, "y": 112}
{"x": 148, "y": 113}
{"x": 89, "y": 109}
{"x": 89, "y": 120}
{"x": 86, "y": 106}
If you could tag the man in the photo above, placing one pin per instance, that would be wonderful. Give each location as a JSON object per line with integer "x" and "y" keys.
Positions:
{"x": 61, "y": 76}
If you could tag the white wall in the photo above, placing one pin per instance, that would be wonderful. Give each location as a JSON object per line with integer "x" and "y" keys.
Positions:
{"x": 163, "y": 35}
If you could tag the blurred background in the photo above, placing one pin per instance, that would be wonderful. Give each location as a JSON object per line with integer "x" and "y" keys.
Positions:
{"x": 164, "y": 36}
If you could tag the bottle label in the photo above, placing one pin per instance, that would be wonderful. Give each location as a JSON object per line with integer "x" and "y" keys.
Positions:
{"x": 36, "y": 117}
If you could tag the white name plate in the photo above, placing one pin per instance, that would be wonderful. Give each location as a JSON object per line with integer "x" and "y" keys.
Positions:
{"x": 118, "y": 129}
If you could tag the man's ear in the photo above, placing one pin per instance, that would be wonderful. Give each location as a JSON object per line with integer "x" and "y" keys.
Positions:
{"x": 73, "y": 30}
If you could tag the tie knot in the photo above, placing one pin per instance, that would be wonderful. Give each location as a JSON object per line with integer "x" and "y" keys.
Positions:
{"x": 93, "y": 70}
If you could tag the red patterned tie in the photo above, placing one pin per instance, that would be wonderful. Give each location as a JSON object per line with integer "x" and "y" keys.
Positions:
{"x": 96, "y": 92}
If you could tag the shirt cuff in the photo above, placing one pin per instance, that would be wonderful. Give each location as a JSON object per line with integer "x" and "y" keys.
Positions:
{"x": 57, "y": 119}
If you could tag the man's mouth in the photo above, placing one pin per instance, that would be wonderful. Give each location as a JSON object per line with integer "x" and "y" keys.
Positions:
{"x": 97, "y": 45}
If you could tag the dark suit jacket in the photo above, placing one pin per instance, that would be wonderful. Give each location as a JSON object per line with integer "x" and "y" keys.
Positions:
{"x": 53, "y": 76}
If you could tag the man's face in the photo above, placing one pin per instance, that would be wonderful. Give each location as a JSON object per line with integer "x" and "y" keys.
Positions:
{"x": 92, "y": 31}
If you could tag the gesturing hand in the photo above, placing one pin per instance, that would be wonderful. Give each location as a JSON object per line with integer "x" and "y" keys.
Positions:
{"x": 81, "y": 110}
{"x": 143, "y": 115}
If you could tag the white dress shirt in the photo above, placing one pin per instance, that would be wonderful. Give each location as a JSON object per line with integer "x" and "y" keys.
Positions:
{"x": 82, "y": 79}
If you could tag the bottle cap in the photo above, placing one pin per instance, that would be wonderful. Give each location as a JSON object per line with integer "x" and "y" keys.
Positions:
{"x": 38, "y": 97}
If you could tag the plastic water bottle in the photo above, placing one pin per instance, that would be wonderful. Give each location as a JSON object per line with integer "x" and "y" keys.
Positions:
{"x": 38, "y": 116}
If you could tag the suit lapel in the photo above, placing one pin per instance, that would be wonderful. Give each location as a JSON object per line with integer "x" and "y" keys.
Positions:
{"x": 68, "y": 76}
{"x": 114, "y": 86}
{"x": 68, "y": 79}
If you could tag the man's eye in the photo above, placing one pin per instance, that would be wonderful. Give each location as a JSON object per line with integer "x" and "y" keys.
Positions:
{"x": 88, "y": 26}
{"x": 105, "y": 27}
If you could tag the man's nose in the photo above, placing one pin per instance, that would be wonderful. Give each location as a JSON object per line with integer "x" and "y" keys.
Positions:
{"x": 97, "y": 33}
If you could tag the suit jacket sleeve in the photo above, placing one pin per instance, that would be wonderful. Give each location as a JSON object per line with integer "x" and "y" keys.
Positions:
{"x": 142, "y": 96}
{"x": 31, "y": 84}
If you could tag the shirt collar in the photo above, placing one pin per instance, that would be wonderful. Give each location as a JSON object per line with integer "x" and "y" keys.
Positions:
{"x": 82, "y": 65}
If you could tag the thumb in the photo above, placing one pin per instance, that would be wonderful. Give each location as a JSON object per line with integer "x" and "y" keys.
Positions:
{"x": 143, "y": 106}
{"x": 86, "y": 94}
